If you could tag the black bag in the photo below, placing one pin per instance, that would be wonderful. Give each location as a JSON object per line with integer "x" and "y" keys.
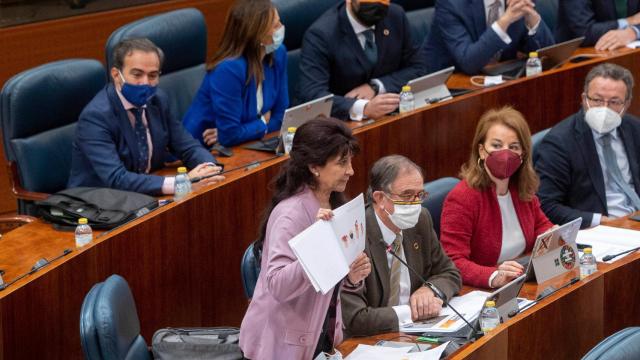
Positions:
{"x": 104, "y": 208}
{"x": 217, "y": 343}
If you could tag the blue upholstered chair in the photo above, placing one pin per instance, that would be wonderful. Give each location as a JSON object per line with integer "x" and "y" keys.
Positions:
{"x": 410, "y": 5}
{"x": 536, "y": 139}
{"x": 438, "y": 190}
{"x": 109, "y": 325}
{"x": 249, "y": 269}
{"x": 297, "y": 16}
{"x": 182, "y": 36}
{"x": 623, "y": 345}
{"x": 38, "y": 111}
{"x": 548, "y": 10}
{"x": 420, "y": 21}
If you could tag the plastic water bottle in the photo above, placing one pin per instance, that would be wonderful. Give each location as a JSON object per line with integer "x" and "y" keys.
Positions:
{"x": 84, "y": 234}
{"x": 288, "y": 139}
{"x": 182, "y": 185}
{"x": 406, "y": 100}
{"x": 587, "y": 263}
{"x": 534, "y": 65}
{"x": 489, "y": 317}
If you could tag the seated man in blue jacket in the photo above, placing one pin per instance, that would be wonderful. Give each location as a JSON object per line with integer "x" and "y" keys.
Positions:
{"x": 473, "y": 33}
{"x": 362, "y": 52}
{"x": 607, "y": 24}
{"x": 124, "y": 133}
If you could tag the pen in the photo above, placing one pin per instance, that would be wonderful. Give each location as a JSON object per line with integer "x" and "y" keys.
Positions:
{"x": 428, "y": 339}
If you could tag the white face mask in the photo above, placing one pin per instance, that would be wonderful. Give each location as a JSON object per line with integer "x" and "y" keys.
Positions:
{"x": 602, "y": 119}
{"x": 405, "y": 216}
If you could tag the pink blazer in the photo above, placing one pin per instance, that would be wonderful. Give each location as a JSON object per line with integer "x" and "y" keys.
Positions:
{"x": 285, "y": 316}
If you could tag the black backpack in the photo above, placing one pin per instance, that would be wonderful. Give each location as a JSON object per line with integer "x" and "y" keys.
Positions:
{"x": 104, "y": 208}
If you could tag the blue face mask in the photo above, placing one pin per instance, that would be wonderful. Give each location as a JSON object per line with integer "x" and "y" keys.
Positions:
{"x": 278, "y": 38}
{"x": 138, "y": 95}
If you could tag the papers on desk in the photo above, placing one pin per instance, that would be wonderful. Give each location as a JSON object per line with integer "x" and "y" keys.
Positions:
{"x": 469, "y": 306}
{"x": 634, "y": 44}
{"x": 327, "y": 248}
{"x": 607, "y": 240}
{"x": 368, "y": 352}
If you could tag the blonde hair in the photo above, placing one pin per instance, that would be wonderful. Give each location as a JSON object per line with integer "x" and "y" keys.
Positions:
{"x": 473, "y": 171}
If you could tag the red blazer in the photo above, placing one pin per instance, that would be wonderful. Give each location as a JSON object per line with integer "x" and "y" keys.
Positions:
{"x": 471, "y": 229}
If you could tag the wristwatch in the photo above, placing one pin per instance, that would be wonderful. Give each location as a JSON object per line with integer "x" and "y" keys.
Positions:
{"x": 374, "y": 85}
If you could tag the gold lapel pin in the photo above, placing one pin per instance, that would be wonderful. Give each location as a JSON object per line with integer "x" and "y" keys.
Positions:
{"x": 386, "y": 32}
{"x": 416, "y": 246}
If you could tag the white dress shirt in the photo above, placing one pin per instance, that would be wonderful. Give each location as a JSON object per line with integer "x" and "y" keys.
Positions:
{"x": 502, "y": 33}
{"x": 513, "y": 242}
{"x": 403, "y": 311}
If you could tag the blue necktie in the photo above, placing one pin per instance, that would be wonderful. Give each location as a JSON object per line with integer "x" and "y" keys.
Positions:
{"x": 141, "y": 139}
{"x": 370, "y": 49}
{"x": 615, "y": 173}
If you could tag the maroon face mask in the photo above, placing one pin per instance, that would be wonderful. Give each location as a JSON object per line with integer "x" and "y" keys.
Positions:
{"x": 503, "y": 163}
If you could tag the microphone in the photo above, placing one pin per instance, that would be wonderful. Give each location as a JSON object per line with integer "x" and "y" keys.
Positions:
{"x": 42, "y": 262}
{"x": 611, "y": 257}
{"x": 544, "y": 294}
{"x": 437, "y": 292}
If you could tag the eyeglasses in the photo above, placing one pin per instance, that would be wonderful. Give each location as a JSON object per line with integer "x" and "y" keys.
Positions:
{"x": 612, "y": 103}
{"x": 418, "y": 197}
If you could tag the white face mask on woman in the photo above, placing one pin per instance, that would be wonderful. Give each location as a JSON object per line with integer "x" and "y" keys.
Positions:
{"x": 602, "y": 119}
{"x": 405, "y": 214}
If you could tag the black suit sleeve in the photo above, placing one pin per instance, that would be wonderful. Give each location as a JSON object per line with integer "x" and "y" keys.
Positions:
{"x": 581, "y": 21}
{"x": 554, "y": 169}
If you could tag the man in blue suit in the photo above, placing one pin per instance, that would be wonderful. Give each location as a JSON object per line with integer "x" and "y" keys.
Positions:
{"x": 362, "y": 52}
{"x": 473, "y": 33}
{"x": 607, "y": 24}
{"x": 589, "y": 163}
{"x": 124, "y": 133}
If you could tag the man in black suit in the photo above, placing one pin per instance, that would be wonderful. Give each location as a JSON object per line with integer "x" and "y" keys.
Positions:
{"x": 362, "y": 52}
{"x": 607, "y": 24}
{"x": 588, "y": 164}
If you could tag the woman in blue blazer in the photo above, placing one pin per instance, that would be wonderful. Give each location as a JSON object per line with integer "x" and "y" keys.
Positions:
{"x": 244, "y": 94}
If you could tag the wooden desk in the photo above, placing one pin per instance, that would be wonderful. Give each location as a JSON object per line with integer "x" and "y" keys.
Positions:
{"x": 182, "y": 261}
{"x": 565, "y": 325}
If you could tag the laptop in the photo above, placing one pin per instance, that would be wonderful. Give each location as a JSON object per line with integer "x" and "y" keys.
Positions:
{"x": 431, "y": 88}
{"x": 294, "y": 117}
{"x": 550, "y": 56}
{"x": 554, "y": 253}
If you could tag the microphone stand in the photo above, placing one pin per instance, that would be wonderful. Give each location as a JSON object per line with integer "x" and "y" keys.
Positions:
{"x": 611, "y": 257}
{"x": 437, "y": 292}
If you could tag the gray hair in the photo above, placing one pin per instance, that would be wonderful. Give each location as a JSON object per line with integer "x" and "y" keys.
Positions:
{"x": 385, "y": 171}
{"x": 125, "y": 47}
{"x": 613, "y": 72}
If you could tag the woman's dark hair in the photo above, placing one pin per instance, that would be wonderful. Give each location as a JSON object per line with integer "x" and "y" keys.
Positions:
{"x": 315, "y": 143}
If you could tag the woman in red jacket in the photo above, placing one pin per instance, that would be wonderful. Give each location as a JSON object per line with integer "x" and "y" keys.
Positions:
{"x": 493, "y": 216}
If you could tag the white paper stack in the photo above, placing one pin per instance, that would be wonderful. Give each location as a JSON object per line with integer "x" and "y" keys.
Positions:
{"x": 368, "y": 352}
{"x": 469, "y": 306}
{"x": 607, "y": 240}
{"x": 327, "y": 248}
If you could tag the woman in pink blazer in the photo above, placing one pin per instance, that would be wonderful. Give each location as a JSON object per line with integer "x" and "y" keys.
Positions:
{"x": 287, "y": 318}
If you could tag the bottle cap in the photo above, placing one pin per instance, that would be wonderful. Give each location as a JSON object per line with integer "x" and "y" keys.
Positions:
{"x": 182, "y": 170}
{"x": 406, "y": 88}
{"x": 490, "y": 303}
{"x": 292, "y": 129}
{"x": 587, "y": 250}
{"x": 82, "y": 221}
{"x": 533, "y": 54}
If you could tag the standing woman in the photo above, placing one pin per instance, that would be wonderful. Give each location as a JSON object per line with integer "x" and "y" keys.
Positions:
{"x": 244, "y": 94}
{"x": 493, "y": 215}
{"x": 287, "y": 318}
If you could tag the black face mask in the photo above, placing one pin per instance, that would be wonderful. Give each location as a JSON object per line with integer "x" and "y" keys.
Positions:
{"x": 368, "y": 13}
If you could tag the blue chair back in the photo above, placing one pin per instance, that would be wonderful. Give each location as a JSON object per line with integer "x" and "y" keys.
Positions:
{"x": 182, "y": 36}
{"x": 536, "y": 139}
{"x": 297, "y": 16}
{"x": 438, "y": 190}
{"x": 109, "y": 325}
{"x": 38, "y": 112}
{"x": 623, "y": 345}
{"x": 548, "y": 10}
{"x": 249, "y": 269}
{"x": 420, "y": 22}
{"x": 409, "y": 5}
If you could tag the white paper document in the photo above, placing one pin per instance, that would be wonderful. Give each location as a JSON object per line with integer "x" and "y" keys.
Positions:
{"x": 368, "y": 352}
{"x": 607, "y": 240}
{"x": 469, "y": 306}
{"x": 327, "y": 248}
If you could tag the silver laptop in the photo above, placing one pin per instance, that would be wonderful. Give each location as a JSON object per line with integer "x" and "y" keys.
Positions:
{"x": 554, "y": 253}
{"x": 506, "y": 297}
{"x": 555, "y": 55}
{"x": 294, "y": 117}
{"x": 431, "y": 88}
